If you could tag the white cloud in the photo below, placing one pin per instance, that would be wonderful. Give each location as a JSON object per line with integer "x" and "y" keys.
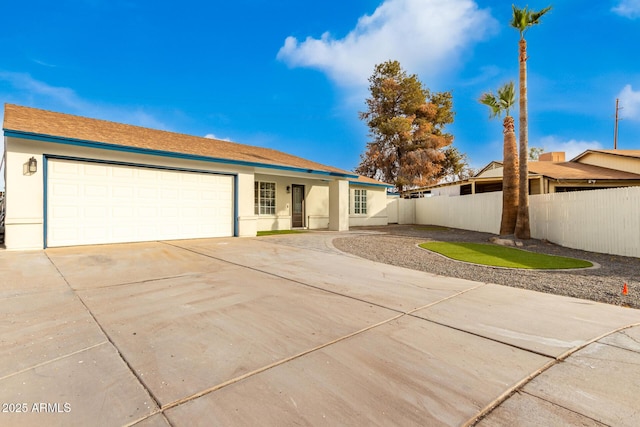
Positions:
{"x": 32, "y": 92}
{"x": 628, "y": 8}
{"x": 629, "y": 103}
{"x": 44, "y": 64}
{"x": 571, "y": 147}
{"x": 424, "y": 35}
{"x": 212, "y": 136}
{"x": 28, "y": 86}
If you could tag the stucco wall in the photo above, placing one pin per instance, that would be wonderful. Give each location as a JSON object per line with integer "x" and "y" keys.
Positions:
{"x": 24, "y": 223}
{"x": 376, "y": 207}
{"x": 612, "y": 161}
{"x": 316, "y": 203}
{"x": 25, "y": 192}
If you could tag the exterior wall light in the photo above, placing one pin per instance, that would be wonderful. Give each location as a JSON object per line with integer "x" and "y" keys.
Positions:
{"x": 33, "y": 165}
{"x": 288, "y": 189}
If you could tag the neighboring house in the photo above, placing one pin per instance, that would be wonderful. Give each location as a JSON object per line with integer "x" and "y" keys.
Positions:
{"x": 73, "y": 180}
{"x": 591, "y": 170}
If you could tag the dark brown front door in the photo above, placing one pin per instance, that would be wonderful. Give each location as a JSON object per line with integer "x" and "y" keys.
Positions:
{"x": 297, "y": 216}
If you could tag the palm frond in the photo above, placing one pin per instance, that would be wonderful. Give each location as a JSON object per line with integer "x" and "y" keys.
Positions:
{"x": 507, "y": 97}
{"x": 535, "y": 16}
{"x": 524, "y": 18}
{"x": 493, "y": 102}
{"x": 500, "y": 102}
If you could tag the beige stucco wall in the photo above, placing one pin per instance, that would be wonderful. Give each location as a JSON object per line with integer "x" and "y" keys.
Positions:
{"x": 611, "y": 161}
{"x": 247, "y": 220}
{"x": 316, "y": 203}
{"x": 536, "y": 186}
{"x": 339, "y": 205}
{"x": 317, "y": 198}
{"x": 24, "y": 200}
{"x": 24, "y": 222}
{"x": 492, "y": 173}
{"x": 376, "y": 207}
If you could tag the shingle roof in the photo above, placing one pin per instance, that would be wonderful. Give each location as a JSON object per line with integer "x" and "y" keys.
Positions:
{"x": 574, "y": 170}
{"x": 59, "y": 125}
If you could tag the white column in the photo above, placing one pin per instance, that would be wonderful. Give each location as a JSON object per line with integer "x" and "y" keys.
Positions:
{"x": 339, "y": 205}
{"x": 247, "y": 220}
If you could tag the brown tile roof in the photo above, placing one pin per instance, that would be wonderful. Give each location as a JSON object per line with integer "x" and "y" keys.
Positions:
{"x": 66, "y": 126}
{"x": 574, "y": 170}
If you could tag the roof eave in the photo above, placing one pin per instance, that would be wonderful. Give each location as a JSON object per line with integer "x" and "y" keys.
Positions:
{"x": 371, "y": 184}
{"x": 148, "y": 151}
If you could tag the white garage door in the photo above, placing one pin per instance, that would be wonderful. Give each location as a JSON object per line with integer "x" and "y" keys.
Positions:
{"x": 92, "y": 203}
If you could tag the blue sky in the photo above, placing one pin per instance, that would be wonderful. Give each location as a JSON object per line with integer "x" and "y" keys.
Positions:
{"x": 292, "y": 75}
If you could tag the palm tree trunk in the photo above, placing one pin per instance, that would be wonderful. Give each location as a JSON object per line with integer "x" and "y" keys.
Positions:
{"x": 522, "y": 230}
{"x": 509, "y": 179}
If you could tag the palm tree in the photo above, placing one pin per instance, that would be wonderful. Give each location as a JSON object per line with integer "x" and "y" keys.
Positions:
{"x": 501, "y": 103}
{"x": 522, "y": 20}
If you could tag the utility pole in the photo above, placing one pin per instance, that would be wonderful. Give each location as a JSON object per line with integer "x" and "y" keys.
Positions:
{"x": 615, "y": 131}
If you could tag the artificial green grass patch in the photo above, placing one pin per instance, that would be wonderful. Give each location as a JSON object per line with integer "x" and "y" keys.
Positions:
{"x": 272, "y": 232}
{"x": 501, "y": 256}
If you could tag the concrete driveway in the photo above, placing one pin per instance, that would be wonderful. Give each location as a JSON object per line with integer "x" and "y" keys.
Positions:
{"x": 289, "y": 331}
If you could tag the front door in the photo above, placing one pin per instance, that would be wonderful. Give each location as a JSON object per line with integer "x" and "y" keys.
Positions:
{"x": 297, "y": 217}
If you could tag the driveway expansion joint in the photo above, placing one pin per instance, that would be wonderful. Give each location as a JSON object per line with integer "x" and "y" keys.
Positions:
{"x": 286, "y": 278}
{"x": 56, "y": 359}
{"x": 401, "y": 314}
{"x": 306, "y": 352}
{"x": 386, "y": 318}
{"x": 562, "y": 407}
{"x": 555, "y": 361}
{"x": 106, "y": 335}
{"x": 138, "y": 282}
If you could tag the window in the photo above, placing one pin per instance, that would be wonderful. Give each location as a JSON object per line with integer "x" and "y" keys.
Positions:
{"x": 264, "y": 198}
{"x": 359, "y": 201}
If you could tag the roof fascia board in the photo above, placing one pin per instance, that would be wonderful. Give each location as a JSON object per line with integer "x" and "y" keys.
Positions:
{"x": 579, "y": 156}
{"x": 369, "y": 184}
{"x": 148, "y": 151}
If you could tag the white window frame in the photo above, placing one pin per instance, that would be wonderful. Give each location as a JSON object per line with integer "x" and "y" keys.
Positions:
{"x": 359, "y": 202}
{"x": 264, "y": 198}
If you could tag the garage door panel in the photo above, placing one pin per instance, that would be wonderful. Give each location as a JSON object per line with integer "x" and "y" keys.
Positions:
{"x": 65, "y": 213}
{"x": 65, "y": 168}
{"x": 59, "y": 189}
{"x": 96, "y": 212}
{"x": 122, "y": 172}
{"x": 95, "y": 171}
{"x": 92, "y": 190}
{"x": 90, "y": 203}
{"x": 122, "y": 191}
{"x": 147, "y": 174}
{"x": 148, "y": 192}
{"x": 95, "y": 233}
{"x": 65, "y": 234}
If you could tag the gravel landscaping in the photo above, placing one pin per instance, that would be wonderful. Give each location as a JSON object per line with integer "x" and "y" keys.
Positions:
{"x": 396, "y": 245}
